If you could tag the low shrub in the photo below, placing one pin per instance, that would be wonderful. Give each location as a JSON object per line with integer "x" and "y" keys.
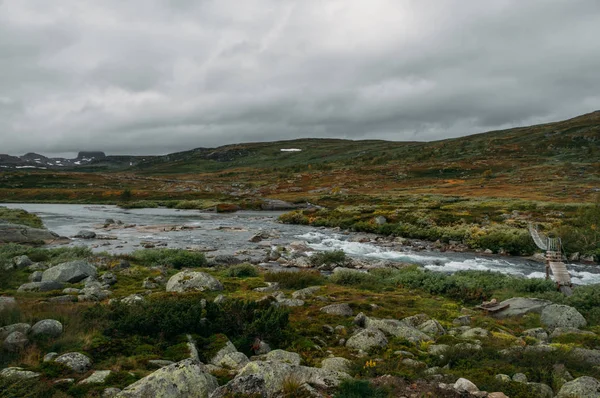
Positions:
{"x": 359, "y": 389}
{"x": 294, "y": 217}
{"x": 336, "y": 257}
{"x": 242, "y": 271}
{"x": 352, "y": 278}
{"x": 295, "y": 280}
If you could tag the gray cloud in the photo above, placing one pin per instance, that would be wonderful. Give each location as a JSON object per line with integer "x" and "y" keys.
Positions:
{"x": 150, "y": 76}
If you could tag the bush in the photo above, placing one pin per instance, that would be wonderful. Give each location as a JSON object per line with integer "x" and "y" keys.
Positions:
{"x": 21, "y": 217}
{"x": 352, "y": 278}
{"x": 294, "y": 217}
{"x": 242, "y": 271}
{"x": 176, "y": 258}
{"x": 359, "y": 389}
{"x": 336, "y": 257}
{"x": 295, "y": 280}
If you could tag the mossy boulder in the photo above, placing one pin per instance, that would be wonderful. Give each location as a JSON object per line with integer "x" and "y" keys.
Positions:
{"x": 187, "y": 281}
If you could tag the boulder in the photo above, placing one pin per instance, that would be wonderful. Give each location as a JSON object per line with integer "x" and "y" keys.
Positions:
{"x": 47, "y": 327}
{"x": 85, "y": 234}
{"x": 367, "y": 339}
{"x": 75, "y": 361}
{"x": 541, "y": 390}
{"x": 21, "y": 262}
{"x": 584, "y": 386}
{"x": 14, "y": 342}
{"x": 585, "y": 355}
{"x": 51, "y": 356}
{"x": 108, "y": 278}
{"x": 18, "y": 373}
{"x": 536, "y": 333}
{"x": 7, "y": 302}
{"x": 98, "y": 377}
{"x": 338, "y": 309}
{"x": 193, "y": 281}
{"x": 228, "y": 348}
{"x": 15, "y": 327}
{"x": 557, "y": 315}
{"x": 464, "y": 320}
{"x": 464, "y": 385}
{"x": 432, "y": 328}
{"x": 519, "y": 306}
{"x": 305, "y": 293}
{"x": 336, "y": 364}
{"x": 397, "y": 329}
{"x": 35, "y": 276}
{"x": 234, "y": 360}
{"x": 415, "y": 320}
{"x": 519, "y": 378}
{"x": 160, "y": 363}
{"x": 133, "y": 299}
{"x": 185, "y": 379}
{"x": 71, "y": 272}
{"x": 110, "y": 392}
{"x": 40, "y": 286}
{"x": 474, "y": 333}
{"x": 13, "y": 233}
{"x": 561, "y": 331}
{"x": 244, "y": 386}
{"x": 284, "y": 356}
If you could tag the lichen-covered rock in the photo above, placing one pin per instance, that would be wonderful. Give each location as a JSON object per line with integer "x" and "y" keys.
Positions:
{"x": 43, "y": 286}
{"x": 160, "y": 363}
{"x": 585, "y": 355}
{"x": 15, "y": 233}
{"x": 536, "y": 333}
{"x": 187, "y": 281}
{"x": 284, "y": 356}
{"x": 474, "y": 333}
{"x": 541, "y": 390}
{"x": 7, "y": 302}
{"x": 21, "y": 262}
{"x": 85, "y": 234}
{"x": 76, "y": 361}
{"x": 14, "y": 342}
{"x": 432, "y": 328}
{"x": 185, "y": 379}
{"x": 47, "y": 327}
{"x": 305, "y": 293}
{"x": 367, "y": 339}
{"x": 415, "y": 320}
{"x": 519, "y": 306}
{"x": 98, "y": 377}
{"x": 464, "y": 385}
{"x": 110, "y": 392}
{"x": 70, "y": 272}
{"x": 18, "y": 373}
{"x": 338, "y": 309}
{"x": 244, "y": 386}
{"x": 51, "y": 356}
{"x": 35, "y": 276}
{"x": 336, "y": 364}
{"x": 519, "y": 378}
{"x": 15, "y": 327}
{"x": 234, "y": 360}
{"x": 557, "y": 315}
{"x": 228, "y": 348}
{"x": 133, "y": 299}
{"x": 397, "y": 329}
{"x": 438, "y": 349}
{"x": 584, "y": 386}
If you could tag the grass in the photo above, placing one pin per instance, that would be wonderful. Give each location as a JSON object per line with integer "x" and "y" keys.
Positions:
{"x": 295, "y": 280}
{"x": 21, "y": 217}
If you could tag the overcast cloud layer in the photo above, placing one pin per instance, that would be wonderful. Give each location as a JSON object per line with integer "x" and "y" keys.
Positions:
{"x": 153, "y": 77}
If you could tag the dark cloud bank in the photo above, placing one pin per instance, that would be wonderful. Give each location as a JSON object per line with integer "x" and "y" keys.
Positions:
{"x": 151, "y": 77}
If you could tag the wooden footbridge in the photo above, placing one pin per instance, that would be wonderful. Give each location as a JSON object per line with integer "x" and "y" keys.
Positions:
{"x": 554, "y": 262}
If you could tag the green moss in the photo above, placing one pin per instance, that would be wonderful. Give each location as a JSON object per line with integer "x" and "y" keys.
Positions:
{"x": 21, "y": 217}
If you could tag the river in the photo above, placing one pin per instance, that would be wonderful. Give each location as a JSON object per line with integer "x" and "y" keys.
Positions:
{"x": 230, "y": 232}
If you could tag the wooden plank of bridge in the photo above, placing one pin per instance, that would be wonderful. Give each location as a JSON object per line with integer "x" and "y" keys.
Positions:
{"x": 560, "y": 273}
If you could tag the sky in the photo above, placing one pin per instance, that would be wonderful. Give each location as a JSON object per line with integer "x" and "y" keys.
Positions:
{"x": 155, "y": 77}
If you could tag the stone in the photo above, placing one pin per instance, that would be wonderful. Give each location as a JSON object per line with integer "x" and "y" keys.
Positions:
{"x": 14, "y": 342}
{"x": 51, "y": 356}
{"x": 133, "y": 299}
{"x": 23, "y": 328}
{"x": 536, "y": 333}
{"x": 519, "y": 378}
{"x": 438, "y": 349}
{"x": 110, "y": 392}
{"x": 228, "y": 348}
{"x": 380, "y": 220}
{"x": 187, "y": 281}
{"x": 336, "y": 364}
{"x": 7, "y": 302}
{"x": 37, "y": 267}
{"x": 75, "y": 361}
{"x": 35, "y": 276}
{"x": 21, "y": 262}
{"x": 464, "y": 385}
{"x": 108, "y": 278}
{"x": 589, "y": 356}
{"x": 519, "y": 306}
{"x": 159, "y": 363}
{"x": 397, "y": 329}
{"x": 47, "y": 327}
{"x": 63, "y": 299}
{"x": 584, "y": 386}
{"x": 18, "y": 373}
{"x": 261, "y": 347}
{"x": 234, "y": 360}
{"x": 98, "y": 377}
{"x": 285, "y": 302}
{"x": 503, "y": 378}
{"x": 432, "y": 328}
{"x": 185, "y": 379}
{"x": 71, "y": 272}
{"x": 474, "y": 333}
{"x": 367, "y": 339}
{"x": 226, "y": 259}
{"x": 85, "y": 234}
{"x": 360, "y": 320}
{"x": 43, "y": 286}
{"x": 15, "y": 233}
{"x": 415, "y": 320}
{"x": 541, "y": 390}
{"x": 244, "y": 386}
{"x": 557, "y": 315}
{"x": 71, "y": 290}
{"x": 305, "y": 293}
{"x": 284, "y": 356}
{"x": 561, "y": 331}
{"x": 338, "y": 309}
{"x": 497, "y": 395}
{"x": 413, "y": 363}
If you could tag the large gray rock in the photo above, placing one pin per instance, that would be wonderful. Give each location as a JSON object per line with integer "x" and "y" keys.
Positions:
{"x": 15, "y": 327}
{"x": 367, "y": 339}
{"x": 47, "y": 327}
{"x": 585, "y": 386}
{"x": 36, "y": 276}
{"x": 336, "y": 364}
{"x": 228, "y": 348}
{"x": 98, "y": 377}
{"x": 305, "y": 293}
{"x": 541, "y": 390}
{"x": 185, "y": 379}
{"x": 14, "y": 342}
{"x": 244, "y": 386}
{"x": 18, "y": 373}
{"x": 85, "y": 234}
{"x": 284, "y": 356}
{"x": 338, "y": 309}
{"x": 40, "y": 287}
{"x": 585, "y": 355}
{"x": 464, "y": 385}
{"x": 432, "y": 328}
{"x": 71, "y": 272}
{"x": 21, "y": 262}
{"x": 397, "y": 329}
{"x": 556, "y": 315}
{"x": 75, "y": 361}
{"x": 7, "y": 302}
{"x": 193, "y": 281}
{"x": 519, "y": 306}
{"x": 13, "y": 233}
